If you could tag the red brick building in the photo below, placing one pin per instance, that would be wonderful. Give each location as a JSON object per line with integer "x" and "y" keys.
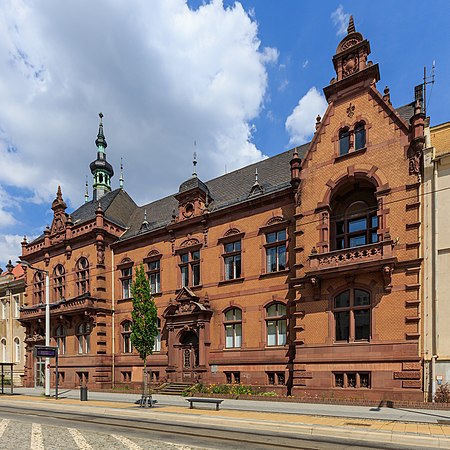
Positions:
{"x": 300, "y": 273}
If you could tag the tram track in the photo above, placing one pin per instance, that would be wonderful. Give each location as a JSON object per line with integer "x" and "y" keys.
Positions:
{"x": 188, "y": 432}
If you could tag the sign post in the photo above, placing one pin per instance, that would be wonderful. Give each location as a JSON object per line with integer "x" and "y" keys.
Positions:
{"x": 45, "y": 351}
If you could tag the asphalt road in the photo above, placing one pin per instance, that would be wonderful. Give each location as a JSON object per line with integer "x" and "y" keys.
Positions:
{"x": 37, "y": 429}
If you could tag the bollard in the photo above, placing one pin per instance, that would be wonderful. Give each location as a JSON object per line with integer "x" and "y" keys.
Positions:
{"x": 83, "y": 393}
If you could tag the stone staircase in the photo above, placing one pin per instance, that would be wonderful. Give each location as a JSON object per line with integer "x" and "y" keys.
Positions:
{"x": 173, "y": 388}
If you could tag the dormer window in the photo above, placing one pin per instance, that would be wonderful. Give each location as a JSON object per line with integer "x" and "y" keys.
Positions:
{"x": 344, "y": 141}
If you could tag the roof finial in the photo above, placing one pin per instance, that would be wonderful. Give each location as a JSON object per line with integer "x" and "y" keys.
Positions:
{"x": 194, "y": 163}
{"x": 86, "y": 193}
{"x": 101, "y": 141}
{"x": 351, "y": 26}
{"x": 256, "y": 176}
{"x": 121, "y": 174}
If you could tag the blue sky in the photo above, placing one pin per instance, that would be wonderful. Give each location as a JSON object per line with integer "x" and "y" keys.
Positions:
{"x": 244, "y": 80}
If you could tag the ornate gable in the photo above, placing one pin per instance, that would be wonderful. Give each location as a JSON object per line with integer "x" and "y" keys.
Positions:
{"x": 185, "y": 303}
{"x": 59, "y": 214}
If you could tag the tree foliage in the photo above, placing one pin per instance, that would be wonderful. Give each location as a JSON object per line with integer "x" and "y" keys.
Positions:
{"x": 144, "y": 327}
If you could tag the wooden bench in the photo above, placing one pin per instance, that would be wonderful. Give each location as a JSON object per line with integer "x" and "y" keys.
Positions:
{"x": 215, "y": 401}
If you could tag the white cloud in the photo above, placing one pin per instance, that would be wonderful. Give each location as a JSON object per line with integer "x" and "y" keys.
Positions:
{"x": 163, "y": 74}
{"x": 10, "y": 248}
{"x": 340, "y": 20}
{"x": 301, "y": 123}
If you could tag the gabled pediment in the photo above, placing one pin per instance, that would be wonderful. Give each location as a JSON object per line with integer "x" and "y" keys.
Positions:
{"x": 185, "y": 294}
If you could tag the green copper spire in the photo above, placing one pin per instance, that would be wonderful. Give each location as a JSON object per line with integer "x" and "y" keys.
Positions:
{"x": 101, "y": 170}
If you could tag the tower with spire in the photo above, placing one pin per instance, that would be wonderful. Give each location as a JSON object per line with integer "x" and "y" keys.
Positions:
{"x": 101, "y": 170}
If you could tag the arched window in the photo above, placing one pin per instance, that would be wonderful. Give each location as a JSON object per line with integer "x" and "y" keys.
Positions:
{"x": 82, "y": 276}
{"x": 351, "y": 310}
{"x": 38, "y": 287}
{"x": 126, "y": 337}
{"x": 59, "y": 281}
{"x": 354, "y": 217}
{"x": 276, "y": 324}
{"x": 157, "y": 344}
{"x": 83, "y": 337}
{"x": 233, "y": 328}
{"x": 60, "y": 339}
{"x": 344, "y": 141}
{"x": 4, "y": 354}
{"x": 17, "y": 352}
{"x": 360, "y": 136}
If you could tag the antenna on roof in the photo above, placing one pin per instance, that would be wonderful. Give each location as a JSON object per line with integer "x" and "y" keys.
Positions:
{"x": 194, "y": 162}
{"x": 427, "y": 80}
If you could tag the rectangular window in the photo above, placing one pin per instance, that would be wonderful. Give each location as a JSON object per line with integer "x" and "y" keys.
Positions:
{"x": 4, "y": 309}
{"x": 126, "y": 282}
{"x": 190, "y": 268}
{"x": 154, "y": 276}
{"x": 233, "y": 377}
{"x": 232, "y": 259}
{"x": 342, "y": 320}
{"x": 16, "y": 300}
{"x": 354, "y": 380}
{"x": 276, "y": 251}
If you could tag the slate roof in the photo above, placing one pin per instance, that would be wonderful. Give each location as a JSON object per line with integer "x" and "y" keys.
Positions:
{"x": 227, "y": 190}
{"x": 406, "y": 111}
{"x": 232, "y": 188}
{"x": 117, "y": 206}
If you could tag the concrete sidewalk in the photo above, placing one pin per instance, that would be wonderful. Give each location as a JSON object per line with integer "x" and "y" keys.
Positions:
{"x": 271, "y": 406}
{"x": 257, "y": 416}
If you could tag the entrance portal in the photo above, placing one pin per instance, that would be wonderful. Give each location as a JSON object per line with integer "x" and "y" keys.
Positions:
{"x": 189, "y": 350}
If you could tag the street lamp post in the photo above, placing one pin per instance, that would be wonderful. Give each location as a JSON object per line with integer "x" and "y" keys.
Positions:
{"x": 47, "y": 321}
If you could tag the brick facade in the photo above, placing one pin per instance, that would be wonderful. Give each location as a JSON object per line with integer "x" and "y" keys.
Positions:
{"x": 273, "y": 265}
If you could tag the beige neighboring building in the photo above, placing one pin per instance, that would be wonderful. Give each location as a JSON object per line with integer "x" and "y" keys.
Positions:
{"x": 12, "y": 334}
{"x": 436, "y": 185}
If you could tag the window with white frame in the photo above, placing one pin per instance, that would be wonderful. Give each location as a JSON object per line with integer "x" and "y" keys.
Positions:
{"x": 60, "y": 339}
{"x": 82, "y": 276}
{"x": 59, "y": 281}
{"x": 83, "y": 337}
{"x": 276, "y": 324}
{"x": 4, "y": 308}
{"x": 154, "y": 276}
{"x": 126, "y": 337}
{"x": 4, "y": 353}
{"x": 126, "y": 280}
{"x": 38, "y": 287}
{"x": 232, "y": 260}
{"x": 233, "y": 328}
{"x": 276, "y": 242}
{"x": 157, "y": 344}
{"x": 190, "y": 268}
{"x": 16, "y": 306}
{"x": 17, "y": 352}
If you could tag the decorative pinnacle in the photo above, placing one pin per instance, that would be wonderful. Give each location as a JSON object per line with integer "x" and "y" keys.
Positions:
{"x": 256, "y": 175}
{"x": 351, "y": 26}
{"x": 194, "y": 163}
{"x": 121, "y": 174}
{"x": 101, "y": 141}
{"x": 86, "y": 192}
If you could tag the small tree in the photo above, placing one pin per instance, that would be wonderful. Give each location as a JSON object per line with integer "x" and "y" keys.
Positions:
{"x": 144, "y": 327}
